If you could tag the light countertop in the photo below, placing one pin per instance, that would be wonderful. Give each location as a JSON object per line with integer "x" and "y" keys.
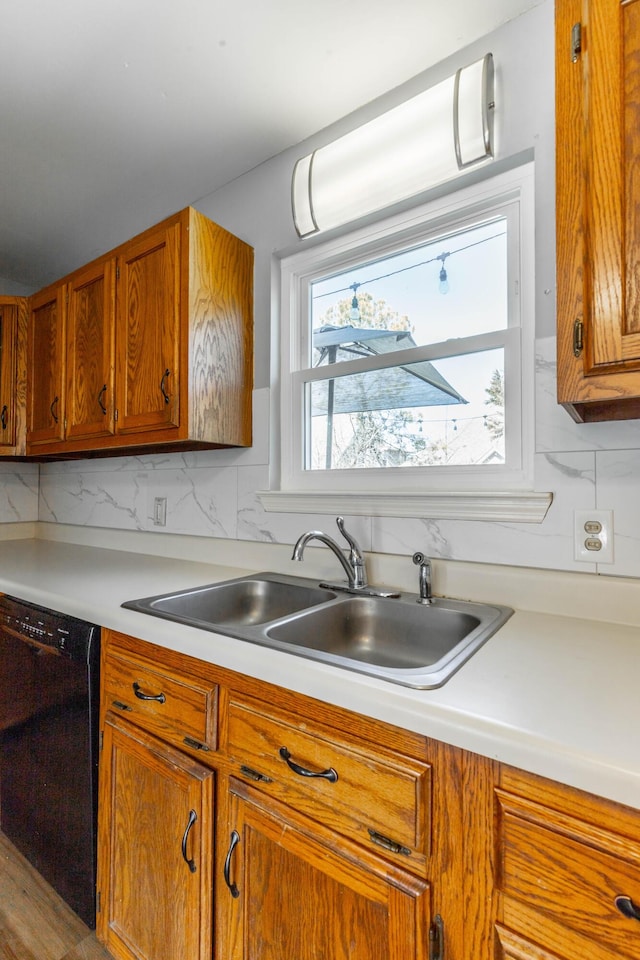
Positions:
{"x": 555, "y": 695}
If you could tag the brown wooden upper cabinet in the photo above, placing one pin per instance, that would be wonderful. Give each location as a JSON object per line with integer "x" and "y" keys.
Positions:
{"x": 598, "y": 207}
{"x": 13, "y": 325}
{"x": 149, "y": 346}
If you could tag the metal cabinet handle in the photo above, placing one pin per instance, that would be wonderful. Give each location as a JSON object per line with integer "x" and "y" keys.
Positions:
{"x": 331, "y": 775}
{"x": 160, "y": 697}
{"x": 166, "y": 374}
{"x": 627, "y": 907}
{"x": 190, "y": 863}
{"x": 235, "y": 840}
{"x": 100, "y": 396}
{"x": 54, "y": 404}
{"x": 3, "y": 417}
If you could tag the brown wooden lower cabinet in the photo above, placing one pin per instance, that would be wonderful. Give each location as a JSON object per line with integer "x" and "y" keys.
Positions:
{"x": 297, "y": 890}
{"x": 337, "y": 837}
{"x": 157, "y": 826}
{"x": 569, "y": 873}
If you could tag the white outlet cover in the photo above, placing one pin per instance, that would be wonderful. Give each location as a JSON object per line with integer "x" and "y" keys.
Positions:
{"x": 586, "y": 541}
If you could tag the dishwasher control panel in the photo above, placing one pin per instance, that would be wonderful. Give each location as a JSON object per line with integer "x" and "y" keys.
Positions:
{"x": 68, "y": 635}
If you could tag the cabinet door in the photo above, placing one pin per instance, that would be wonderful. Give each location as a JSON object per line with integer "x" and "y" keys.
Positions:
{"x": 90, "y": 403}
{"x": 296, "y": 890}
{"x": 46, "y": 367}
{"x": 8, "y": 331}
{"x": 155, "y": 849}
{"x": 598, "y": 213}
{"x": 148, "y": 333}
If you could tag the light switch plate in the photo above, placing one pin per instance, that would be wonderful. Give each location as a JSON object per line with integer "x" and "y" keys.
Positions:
{"x": 593, "y": 536}
{"x": 159, "y": 511}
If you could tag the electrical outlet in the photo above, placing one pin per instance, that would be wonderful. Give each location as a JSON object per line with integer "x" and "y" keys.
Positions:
{"x": 593, "y": 535}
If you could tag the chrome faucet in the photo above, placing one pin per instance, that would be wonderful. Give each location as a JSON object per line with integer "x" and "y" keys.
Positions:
{"x": 354, "y": 567}
{"x": 424, "y": 578}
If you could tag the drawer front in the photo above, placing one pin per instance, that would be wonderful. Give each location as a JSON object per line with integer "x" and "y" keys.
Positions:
{"x": 180, "y": 711}
{"x": 358, "y": 792}
{"x": 560, "y": 874}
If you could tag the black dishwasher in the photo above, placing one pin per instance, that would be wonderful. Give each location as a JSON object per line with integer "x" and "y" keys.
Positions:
{"x": 49, "y": 693}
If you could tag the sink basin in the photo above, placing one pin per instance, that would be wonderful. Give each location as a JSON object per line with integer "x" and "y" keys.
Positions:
{"x": 242, "y": 602}
{"x": 379, "y": 632}
{"x": 395, "y": 639}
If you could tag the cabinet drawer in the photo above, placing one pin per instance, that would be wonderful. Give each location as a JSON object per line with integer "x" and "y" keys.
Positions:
{"x": 375, "y": 796}
{"x": 560, "y": 877}
{"x": 180, "y": 710}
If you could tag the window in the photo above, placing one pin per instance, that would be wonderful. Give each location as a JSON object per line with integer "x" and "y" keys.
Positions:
{"x": 407, "y": 352}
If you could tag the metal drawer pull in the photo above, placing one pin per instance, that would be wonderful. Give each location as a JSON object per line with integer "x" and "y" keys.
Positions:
{"x": 54, "y": 403}
{"x": 3, "y": 417}
{"x": 331, "y": 775}
{"x": 392, "y": 845}
{"x": 235, "y": 840}
{"x": 190, "y": 863}
{"x": 160, "y": 697}
{"x": 627, "y": 907}
{"x": 100, "y": 396}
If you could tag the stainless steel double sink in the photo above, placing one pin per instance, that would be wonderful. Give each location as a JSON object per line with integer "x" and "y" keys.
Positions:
{"x": 397, "y": 639}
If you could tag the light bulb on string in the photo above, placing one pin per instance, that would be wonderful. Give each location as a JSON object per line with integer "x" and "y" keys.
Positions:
{"x": 354, "y": 312}
{"x": 443, "y": 285}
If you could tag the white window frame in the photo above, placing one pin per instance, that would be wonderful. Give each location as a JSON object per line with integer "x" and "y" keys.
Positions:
{"x": 469, "y": 492}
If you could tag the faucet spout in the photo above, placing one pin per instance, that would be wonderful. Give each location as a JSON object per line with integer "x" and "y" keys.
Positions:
{"x": 354, "y": 567}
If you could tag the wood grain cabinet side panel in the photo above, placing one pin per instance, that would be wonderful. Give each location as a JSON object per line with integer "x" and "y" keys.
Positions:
{"x": 220, "y": 334}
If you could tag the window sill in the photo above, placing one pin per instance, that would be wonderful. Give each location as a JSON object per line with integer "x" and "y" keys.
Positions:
{"x": 511, "y": 506}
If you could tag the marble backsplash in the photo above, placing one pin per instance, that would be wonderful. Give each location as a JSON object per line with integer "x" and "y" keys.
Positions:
{"x": 213, "y": 493}
{"x": 18, "y": 492}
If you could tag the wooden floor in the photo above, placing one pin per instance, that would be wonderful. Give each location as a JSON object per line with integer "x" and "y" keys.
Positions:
{"x": 35, "y": 924}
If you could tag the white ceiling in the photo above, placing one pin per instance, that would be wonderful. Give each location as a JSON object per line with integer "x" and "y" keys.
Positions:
{"x": 113, "y": 115}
